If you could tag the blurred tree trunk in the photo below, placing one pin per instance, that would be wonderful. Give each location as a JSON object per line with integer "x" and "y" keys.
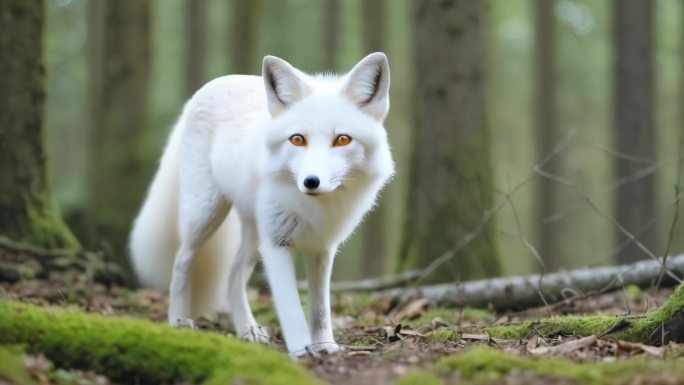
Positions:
{"x": 451, "y": 178}
{"x": 243, "y": 37}
{"x": 119, "y": 58}
{"x": 547, "y": 134}
{"x": 634, "y": 122}
{"x": 196, "y": 47}
{"x": 27, "y": 212}
{"x": 373, "y": 230}
{"x": 331, "y": 28}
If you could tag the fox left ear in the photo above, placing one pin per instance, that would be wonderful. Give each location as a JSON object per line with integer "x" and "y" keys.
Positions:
{"x": 368, "y": 84}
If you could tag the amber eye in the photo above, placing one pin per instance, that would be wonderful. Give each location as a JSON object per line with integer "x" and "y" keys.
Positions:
{"x": 342, "y": 140}
{"x": 298, "y": 140}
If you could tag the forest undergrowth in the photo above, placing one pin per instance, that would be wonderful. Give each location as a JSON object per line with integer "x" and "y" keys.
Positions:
{"x": 386, "y": 342}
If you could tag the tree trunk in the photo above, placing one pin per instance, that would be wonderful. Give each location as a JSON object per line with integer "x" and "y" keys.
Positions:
{"x": 331, "y": 28}
{"x": 196, "y": 47}
{"x": 27, "y": 212}
{"x": 119, "y": 58}
{"x": 374, "y": 237}
{"x": 244, "y": 37}
{"x": 547, "y": 135}
{"x": 451, "y": 176}
{"x": 634, "y": 122}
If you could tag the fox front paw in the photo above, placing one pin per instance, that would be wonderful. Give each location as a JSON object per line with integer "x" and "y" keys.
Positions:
{"x": 256, "y": 333}
{"x": 183, "y": 323}
{"x": 323, "y": 347}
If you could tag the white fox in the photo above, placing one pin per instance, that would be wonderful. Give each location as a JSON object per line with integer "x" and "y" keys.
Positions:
{"x": 280, "y": 165}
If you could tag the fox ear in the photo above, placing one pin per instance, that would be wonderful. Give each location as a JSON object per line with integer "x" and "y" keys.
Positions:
{"x": 368, "y": 85}
{"x": 284, "y": 84}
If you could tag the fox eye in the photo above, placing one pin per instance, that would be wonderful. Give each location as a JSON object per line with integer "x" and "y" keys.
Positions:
{"x": 342, "y": 140}
{"x": 298, "y": 140}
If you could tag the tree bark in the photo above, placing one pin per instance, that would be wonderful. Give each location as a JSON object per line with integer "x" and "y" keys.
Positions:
{"x": 634, "y": 131}
{"x": 119, "y": 59}
{"x": 243, "y": 39}
{"x": 451, "y": 177}
{"x": 547, "y": 135}
{"x": 331, "y": 29}
{"x": 196, "y": 47}
{"x": 374, "y": 247}
{"x": 27, "y": 213}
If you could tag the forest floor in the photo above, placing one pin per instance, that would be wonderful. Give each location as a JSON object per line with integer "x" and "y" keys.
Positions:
{"x": 387, "y": 343}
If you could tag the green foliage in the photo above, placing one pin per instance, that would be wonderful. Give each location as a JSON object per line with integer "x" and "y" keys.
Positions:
{"x": 126, "y": 348}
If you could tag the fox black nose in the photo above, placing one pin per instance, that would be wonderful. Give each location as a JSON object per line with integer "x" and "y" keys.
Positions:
{"x": 311, "y": 182}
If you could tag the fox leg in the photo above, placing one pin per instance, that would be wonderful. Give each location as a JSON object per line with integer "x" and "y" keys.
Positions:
{"x": 319, "y": 271}
{"x": 280, "y": 271}
{"x": 245, "y": 325}
{"x": 196, "y": 224}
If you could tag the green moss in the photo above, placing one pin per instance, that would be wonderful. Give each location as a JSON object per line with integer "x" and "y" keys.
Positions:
{"x": 42, "y": 224}
{"x": 442, "y": 335}
{"x": 632, "y": 290}
{"x": 419, "y": 378}
{"x": 565, "y": 325}
{"x": 452, "y": 316}
{"x": 641, "y": 329}
{"x": 482, "y": 364}
{"x": 12, "y": 366}
{"x": 140, "y": 351}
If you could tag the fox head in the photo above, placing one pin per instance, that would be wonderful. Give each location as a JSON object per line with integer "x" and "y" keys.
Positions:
{"x": 327, "y": 131}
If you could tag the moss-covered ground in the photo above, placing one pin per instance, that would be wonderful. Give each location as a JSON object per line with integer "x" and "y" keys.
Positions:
{"x": 78, "y": 331}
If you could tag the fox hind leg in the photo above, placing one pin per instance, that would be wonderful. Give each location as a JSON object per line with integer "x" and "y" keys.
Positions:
{"x": 201, "y": 212}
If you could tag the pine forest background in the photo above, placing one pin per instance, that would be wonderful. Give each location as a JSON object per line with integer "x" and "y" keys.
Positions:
{"x": 581, "y": 151}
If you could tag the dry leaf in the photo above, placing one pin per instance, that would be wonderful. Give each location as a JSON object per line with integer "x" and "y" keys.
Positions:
{"x": 532, "y": 344}
{"x": 393, "y": 333}
{"x": 439, "y": 323}
{"x": 409, "y": 332}
{"x": 477, "y": 337}
{"x": 412, "y": 310}
{"x": 566, "y": 347}
{"x": 654, "y": 351}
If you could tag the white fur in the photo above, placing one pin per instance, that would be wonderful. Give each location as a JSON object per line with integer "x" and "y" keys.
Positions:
{"x": 230, "y": 153}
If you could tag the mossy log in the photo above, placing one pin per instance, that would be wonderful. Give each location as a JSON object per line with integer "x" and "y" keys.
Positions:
{"x": 658, "y": 327}
{"x": 138, "y": 351}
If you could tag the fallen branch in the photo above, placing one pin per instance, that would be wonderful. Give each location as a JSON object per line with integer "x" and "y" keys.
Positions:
{"x": 129, "y": 350}
{"x": 523, "y": 292}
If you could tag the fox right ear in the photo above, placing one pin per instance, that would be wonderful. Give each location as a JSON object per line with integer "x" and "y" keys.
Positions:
{"x": 284, "y": 84}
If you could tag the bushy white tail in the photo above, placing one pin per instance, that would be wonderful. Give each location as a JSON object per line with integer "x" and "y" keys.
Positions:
{"x": 154, "y": 240}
